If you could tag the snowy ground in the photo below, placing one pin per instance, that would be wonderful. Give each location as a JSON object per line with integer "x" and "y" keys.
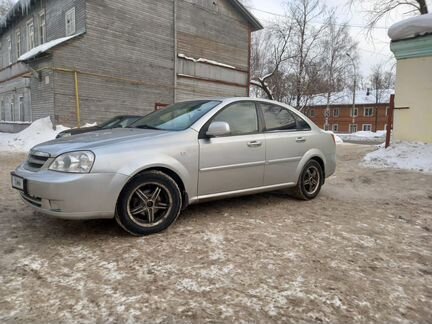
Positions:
{"x": 363, "y": 137}
{"x": 360, "y": 253}
{"x": 402, "y": 155}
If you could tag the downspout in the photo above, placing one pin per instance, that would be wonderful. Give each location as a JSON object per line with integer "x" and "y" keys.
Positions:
{"x": 77, "y": 100}
{"x": 175, "y": 50}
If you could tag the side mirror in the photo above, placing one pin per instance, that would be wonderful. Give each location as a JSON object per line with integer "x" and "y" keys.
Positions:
{"x": 218, "y": 129}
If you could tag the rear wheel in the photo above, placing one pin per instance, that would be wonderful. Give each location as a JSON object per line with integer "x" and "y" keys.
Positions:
{"x": 148, "y": 204}
{"x": 310, "y": 181}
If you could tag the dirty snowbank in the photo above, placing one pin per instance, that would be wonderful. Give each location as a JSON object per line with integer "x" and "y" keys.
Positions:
{"x": 401, "y": 155}
{"x": 38, "y": 132}
{"x": 362, "y": 136}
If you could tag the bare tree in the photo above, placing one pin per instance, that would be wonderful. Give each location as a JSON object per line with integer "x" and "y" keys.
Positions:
{"x": 5, "y": 6}
{"x": 381, "y": 8}
{"x": 265, "y": 63}
{"x": 381, "y": 80}
{"x": 336, "y": 43}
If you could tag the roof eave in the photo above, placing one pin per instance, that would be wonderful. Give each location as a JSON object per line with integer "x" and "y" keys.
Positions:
{"x": 255, "y": 23}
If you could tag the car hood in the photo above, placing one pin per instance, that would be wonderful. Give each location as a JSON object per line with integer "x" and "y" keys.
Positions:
{"x": 93, "y": 140}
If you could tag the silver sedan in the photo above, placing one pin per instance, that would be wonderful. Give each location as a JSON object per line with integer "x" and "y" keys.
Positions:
{"x": 190, "y": 152}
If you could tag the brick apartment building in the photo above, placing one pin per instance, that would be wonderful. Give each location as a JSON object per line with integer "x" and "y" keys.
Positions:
{"x": 370, "y": 112}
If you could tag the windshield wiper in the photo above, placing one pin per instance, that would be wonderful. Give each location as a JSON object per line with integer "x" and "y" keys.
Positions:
{"x": 146, "y": 127}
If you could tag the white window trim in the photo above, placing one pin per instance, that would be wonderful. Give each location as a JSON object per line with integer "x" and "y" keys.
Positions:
{"x": 9, "y": 40}
{"x": 312, "y": 113}
{"x": 368, "y": 108}
{"x": 11, "y": 109}
{"x": 21, "y": 118}
{"x": 354, "y": 114}
{"x": 350, "y": 126}
{"x": 18, "y": 42}
{"x": 369, "y": 126}
{"x": 30, "y": 46}
{"x": 42, "y": 27}
{"x": 73, "y": 13}
{"x": 334, "y": 112}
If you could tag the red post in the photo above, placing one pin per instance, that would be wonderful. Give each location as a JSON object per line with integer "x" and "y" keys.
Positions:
{"x": 390, "y": 120}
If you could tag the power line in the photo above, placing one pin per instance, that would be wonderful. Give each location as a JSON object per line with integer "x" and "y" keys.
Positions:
{"x": 319, "y": 23}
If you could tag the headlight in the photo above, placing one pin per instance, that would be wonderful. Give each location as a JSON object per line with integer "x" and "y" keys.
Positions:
{"x": 74, "y": 162}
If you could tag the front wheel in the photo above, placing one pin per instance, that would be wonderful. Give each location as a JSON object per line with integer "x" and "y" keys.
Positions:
{"x": 310, "y": 181}
{"x": 149, "y": 203}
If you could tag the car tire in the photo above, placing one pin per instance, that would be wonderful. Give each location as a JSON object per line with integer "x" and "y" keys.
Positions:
{"x": 148, "y": 204}
{"x": 310, "y": 181}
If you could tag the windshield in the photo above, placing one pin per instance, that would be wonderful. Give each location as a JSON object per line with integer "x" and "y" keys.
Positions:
{"x": 111, "y": 122}
{"x": 177, "y": 117}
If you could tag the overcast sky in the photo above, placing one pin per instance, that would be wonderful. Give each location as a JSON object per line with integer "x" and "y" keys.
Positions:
{"x": 374, "y": 49}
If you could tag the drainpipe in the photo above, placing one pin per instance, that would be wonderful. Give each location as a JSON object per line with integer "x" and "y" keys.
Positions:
{"x": 175, "y": 49}
{"x": 77, "y": 100}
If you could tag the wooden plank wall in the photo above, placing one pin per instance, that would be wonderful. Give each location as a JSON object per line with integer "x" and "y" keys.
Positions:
{"x": 125, "y": 41}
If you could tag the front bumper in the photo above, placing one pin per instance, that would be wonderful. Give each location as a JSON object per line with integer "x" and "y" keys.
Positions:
{"x": 72, "y": 196}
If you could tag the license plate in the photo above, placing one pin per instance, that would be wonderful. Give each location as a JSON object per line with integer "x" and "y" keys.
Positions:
{"x": 17, "y": 182}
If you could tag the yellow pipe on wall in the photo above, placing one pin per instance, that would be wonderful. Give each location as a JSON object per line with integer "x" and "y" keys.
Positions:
{"x": 77, "y": 100}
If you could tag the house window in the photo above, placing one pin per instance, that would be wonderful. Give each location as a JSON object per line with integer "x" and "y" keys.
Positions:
{"x": 21, "y": 108}
{"x": 326, "y": 127}
{"x": 30, "y": 35}
{"x": 368, "y": 112}
{"x": 353, "y": 128}
{"x": 336, "y": 112}
{"x": 335, "y": 128}
{"x": 3, "y": 111}
{"x": 18, "y": 43}
{"x": 42, "y": 27}
{"x": 312, "y": 113}
{"x": 11, "y": 108}
{"x": 367, "y": 127}
{"x": 9, "y": 40}
{"x": 70, "y": 22}
{"x": 354, "y": 112}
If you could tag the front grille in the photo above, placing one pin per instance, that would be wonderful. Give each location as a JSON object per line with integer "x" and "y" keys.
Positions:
{"x": 36, "y": 160}
{"x": 35, "y": 201}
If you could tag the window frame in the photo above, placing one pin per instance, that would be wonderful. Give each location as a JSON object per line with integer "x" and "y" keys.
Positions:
{"x": 350, "y": 126}
{"x": 370, "y": 127}
{"x": 312, "y": 113}
{"x": 203, "y": 131}
{"x": 2, "y": 110}
{"x": 334, "y": 112}
{"x": 31, "y": 42}
{"x": 18, "y": 47}
{"x": 258, "y": 104}
{"x": 337, "y": 128}
{"x": 11, "y": 108}
{"x": 20, "y": 101}
{"x": 9, "y": 52}
{"x": 71, "y": 12}
{"x": 356, "y": 114}
{"x": 42, "y": 27}
{"x": 371, "y": 109}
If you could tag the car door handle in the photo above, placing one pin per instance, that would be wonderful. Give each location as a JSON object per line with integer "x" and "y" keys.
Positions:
{"x": 300, "y": 139}
{"x": 254, "y": 144}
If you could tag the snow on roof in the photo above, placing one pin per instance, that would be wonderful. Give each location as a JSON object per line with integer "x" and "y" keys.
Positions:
{"x": 203, "y": 60}
{"x": 346, "y": 98}
{"x": 411, "y": 27}
{"x": 21, "y": 7}
{"x": 45, "y": 47}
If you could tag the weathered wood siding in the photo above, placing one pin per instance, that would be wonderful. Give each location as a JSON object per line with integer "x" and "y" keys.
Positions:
{"x": 215, "y": 31}
{"x": 127, "y": 55}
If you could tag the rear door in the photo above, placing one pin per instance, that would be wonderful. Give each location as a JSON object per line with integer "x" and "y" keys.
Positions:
{"x": 288, "y": 138}
{"x": 234, "y": 162}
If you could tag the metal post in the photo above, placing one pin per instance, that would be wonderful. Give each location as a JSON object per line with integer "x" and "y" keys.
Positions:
{"x": 77, "y": 100}
{"x": 354, "y": 89}
{"x": 390, "y": 120}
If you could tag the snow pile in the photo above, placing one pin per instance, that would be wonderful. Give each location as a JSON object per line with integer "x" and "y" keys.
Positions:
{"x": 401, "y": 155}
{"x": 362, "y": 136}
{"x": 44, "y": 47}
{"x": 38, "y": 132}
{"x": 346, "y": 97}
{"x": 203, "y": 60}
{"x": 411, "y": 27}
